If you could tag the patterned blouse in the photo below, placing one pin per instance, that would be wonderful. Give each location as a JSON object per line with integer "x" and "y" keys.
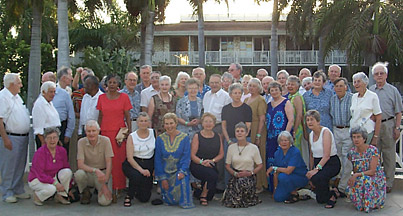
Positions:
{"x": 183, "y": 111}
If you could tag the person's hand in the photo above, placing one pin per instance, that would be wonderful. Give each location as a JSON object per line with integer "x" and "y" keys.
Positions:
{"x": 374, "y": 140}
{"x": 206, "y": 163}
{"x": 269, "y": 171}
{"x": 59, "y": 187}
{"x": 146, "y": 173}
{"x": 311, "y": 173}
{"x": 164, "y": 184}
{"x": 101, "y": 176}
{"x": 257, "y": 141}
{"x": 106, "y": 192}
{"x": 396, "y": 134}
{"x": 66, "y": 140}
{"x": 244, "y": 173}
{"x": 79, "y": 70}
{"x": 181, "y": 176}
{"x": 7, "y": 143}
{"x": 352, "y": 179}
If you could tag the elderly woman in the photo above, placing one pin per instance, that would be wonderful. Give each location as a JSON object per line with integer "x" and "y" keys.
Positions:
{"x": 180, "y": 85}
{"x": 298, "y": 104}
{"x": 114, "y": 113}
{"x": 307, "y": 83}
{"x": 227, "y": 79}
{"x": 289, "y": 170}
{"x": 207, "y": 150}
{"x": 365, "y": 109}
{"x": 258, "y": 132}
{"x": 139, "y": 164}
{"x": 282, "y": 77}
{"x": 189, "y": 109}
{"x": 242, "y": 162}
{"x": 172, "y": 159}
{"x": 44, "y": 114}
{"x": 50, "y": 172}
{"x": 367, "y": 186}
{"x": 160, "y": 104}
{"x": 245, "y": 80}
{"x": 324, "y": 159}
{"x": 279, "y": 117}
{"x": 318, "y": 98}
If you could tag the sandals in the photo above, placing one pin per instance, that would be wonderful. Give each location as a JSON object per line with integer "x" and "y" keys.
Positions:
{"x": 331, "y": 203}
{"x": 305, "y": 197}
{"x": 293, "y": 198}
{"x": 339, "y": 193}
{"x": 127, "y": 202}
{"x": 203, "y": 201}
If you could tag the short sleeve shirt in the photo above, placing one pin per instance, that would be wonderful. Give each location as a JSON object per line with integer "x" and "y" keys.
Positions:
{"x": 362, "y": 110}
{"x": 234, "y": 115}
{"x": 243, "y": 157}
{"x": 94, "y": 156}
{"x": 389, "y": 100}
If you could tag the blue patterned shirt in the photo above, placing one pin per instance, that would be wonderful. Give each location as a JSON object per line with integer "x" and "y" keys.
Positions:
{"x": 134, "y": 100}
{"x": 321, "y": 103}
{"x": 340, "y": 109}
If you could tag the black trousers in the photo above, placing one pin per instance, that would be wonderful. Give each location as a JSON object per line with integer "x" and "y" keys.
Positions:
{"x": 139, "y": 185}
{"x": 205, "y": 174}
{"x": 321, "y": 179}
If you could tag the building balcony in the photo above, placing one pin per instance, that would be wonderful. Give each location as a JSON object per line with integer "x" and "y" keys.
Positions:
{"x": 247, "y": 58}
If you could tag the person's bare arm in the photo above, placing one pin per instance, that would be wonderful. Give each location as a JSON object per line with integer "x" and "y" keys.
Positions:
{"x": 6, "y": 141}
{"x": 289, "y": 112}
{"x": 375, "y": 138}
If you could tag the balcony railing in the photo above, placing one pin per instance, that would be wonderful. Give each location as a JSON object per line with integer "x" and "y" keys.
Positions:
{"x": 256, "y": 58}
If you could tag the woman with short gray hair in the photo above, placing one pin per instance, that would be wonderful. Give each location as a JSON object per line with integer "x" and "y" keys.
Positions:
{"x": 365, "y": 108}
{"x": 227, "y": 79}
{"x": 289, "y": 170}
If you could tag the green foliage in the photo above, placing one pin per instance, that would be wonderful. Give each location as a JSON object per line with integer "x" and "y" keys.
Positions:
{"x": 104, "y": 62}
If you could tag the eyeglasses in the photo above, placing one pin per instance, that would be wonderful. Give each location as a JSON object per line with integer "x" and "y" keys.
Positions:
{"x": 379, "y": 73}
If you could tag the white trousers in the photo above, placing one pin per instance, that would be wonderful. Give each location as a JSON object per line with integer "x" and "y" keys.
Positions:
{"x": 44, "y": 190}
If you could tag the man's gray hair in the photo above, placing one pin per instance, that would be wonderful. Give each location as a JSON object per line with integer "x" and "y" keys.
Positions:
{"x": 384, "y": 65}
{"x": 362, "y": 76}
{"x": 335, "y": 65}
{"x": 62, "y": 72}
{"x": 10, "y": 78}
{"x": 127, "y": 74}
{"x": 238, "y": 67}
{"x": 92, "y": 123}
{"x": 146, "y": 67}
{"x": 47, "y": 85}
{"x": 178, "y": 77}
{"x": 50, "y": 130}
{"x": 258, "y": 83}
{"x": 234, "y": 86}
{"x": 199, "y": 68}
{"x": 359, "y": 130}
{"x": 287, "y": 135}
{"x": 165, "y": 78}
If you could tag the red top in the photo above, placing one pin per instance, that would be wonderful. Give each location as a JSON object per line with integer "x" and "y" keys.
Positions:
{"x": 113, "y": 111}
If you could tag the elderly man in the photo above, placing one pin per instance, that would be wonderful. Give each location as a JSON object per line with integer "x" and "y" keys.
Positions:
{"x": 134, "y": 96}
{"x": 304, "y": 72}
{"x": 200, "y": 74}
{"x": 44, "y": 114}
{"x": 340, "y": 104}
{"x": 14, "y": 128}
{"x": 391, "y": 106}
{"x": 261, "y": 73}
{"x": 94, "y": 159}
{"x": 150, "y": 91}
{"x": 145, "y": 72}
{"x": 65, "y": 77}
{"x": 89, "y": 104}
{"x": 265, "y": 84}
{"x": 236, "y": 70}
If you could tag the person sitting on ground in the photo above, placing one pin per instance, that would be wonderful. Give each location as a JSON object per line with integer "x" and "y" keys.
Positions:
{"x": 50, "y": 172}
{"x": 94, "y": 160}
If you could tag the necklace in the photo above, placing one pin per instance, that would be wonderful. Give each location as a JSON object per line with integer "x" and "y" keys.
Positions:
{"x": 240, "y": 151}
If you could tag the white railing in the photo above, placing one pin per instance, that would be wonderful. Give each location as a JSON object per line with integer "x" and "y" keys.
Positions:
{"x": 285, "y": 58}
{"x": 399, "y": 155}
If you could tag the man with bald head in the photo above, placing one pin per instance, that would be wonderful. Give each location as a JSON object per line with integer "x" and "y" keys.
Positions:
{"x": 265, "y": 84}
{"x": 304, "y": 72}
{"x": 261, "y": 73}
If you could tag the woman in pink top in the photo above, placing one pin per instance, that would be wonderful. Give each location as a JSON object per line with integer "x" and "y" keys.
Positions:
{"x": 50, "y": 171}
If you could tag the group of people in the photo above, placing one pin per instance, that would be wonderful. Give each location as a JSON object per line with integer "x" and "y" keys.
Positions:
{"x": 242, "y": 135}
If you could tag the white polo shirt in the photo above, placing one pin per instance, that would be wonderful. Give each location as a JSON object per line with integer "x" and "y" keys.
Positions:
{"x": 44, "y": 115}
{"x": 14, "y": 113}
{"x": 88, "y": 110}
{"x": 146, "y": 95}
{"x": 214, "y": 102}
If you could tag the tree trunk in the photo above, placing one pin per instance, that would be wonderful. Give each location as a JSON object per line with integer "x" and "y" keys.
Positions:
{"x": 63, "y": 53}
{"x": 370, "y": 60}
{"x": 321, "y": 54}
{"x": 149, "y": 38}
{"x": 34, "y": 68}
{"x": 142, "y": 42}
{"x": 274, "y": 40}
{"x": 200, "y": 36}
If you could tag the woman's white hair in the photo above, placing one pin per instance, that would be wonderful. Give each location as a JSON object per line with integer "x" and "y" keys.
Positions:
{"x": 47, "y": 85}
{"x": 165, "y": 78}
{"x": 257, "y": 82}
{"x": 10, "y": 78}
{"x": 362, "y": 76}
{"x": 178, "y": 77}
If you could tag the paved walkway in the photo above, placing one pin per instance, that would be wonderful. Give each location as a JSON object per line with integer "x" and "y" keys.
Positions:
{"x": 394, "y": 207}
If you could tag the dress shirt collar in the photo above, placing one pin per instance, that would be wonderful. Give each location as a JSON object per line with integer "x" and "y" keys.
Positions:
{"x": 376, "y": 86}
{"x": 43, "y": 100}
{"x": 9, "y": 94}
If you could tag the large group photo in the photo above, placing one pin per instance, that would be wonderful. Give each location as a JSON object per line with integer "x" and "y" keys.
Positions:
{"x": 258, "y": 114}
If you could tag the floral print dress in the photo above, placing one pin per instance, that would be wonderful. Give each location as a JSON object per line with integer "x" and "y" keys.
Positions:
{"x": 368, "y": 192}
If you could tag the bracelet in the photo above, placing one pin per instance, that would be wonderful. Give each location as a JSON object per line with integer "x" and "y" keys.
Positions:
{"x": 275, "y": 168}
{"x": 186, "y": 123}
{"x": 214, "y": 160}
{"x": 229, "y": 142}
{"x": 94, "y": 170}
{"x": 397, "y": 128}
{"x": 252, "y": 172}
{"x": 201, "y": 161}
{"x": 258, "y": 135}
{"x": 376, "y": 136}
{"x": 362, "y": 174}
{"x": 235, "y": 173}
{"x": 319, "y": 167}
{"x": 55, "y": 183}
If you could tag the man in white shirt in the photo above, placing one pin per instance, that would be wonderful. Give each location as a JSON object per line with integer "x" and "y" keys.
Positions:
{"x": 89, "y": 103}
{"x": 14, "y": 129}
{"x": 44, "y": 114}
{"x": 150, "y": 91}
{"x": 215, "y": 99}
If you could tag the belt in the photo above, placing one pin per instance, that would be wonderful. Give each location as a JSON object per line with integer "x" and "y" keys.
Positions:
{"x": 133, "y": 119}
{"x": 342, "y": 127}
{"x": 15, "y": 134}
{"x": 384, "y": 120}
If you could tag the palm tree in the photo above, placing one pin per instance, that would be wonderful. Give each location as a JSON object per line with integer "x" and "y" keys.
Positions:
{"x": 63, "y": 54}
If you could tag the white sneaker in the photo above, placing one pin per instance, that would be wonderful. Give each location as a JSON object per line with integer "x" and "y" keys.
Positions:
{"x": 11, "y": 199}
{"x": 23, "y": 196}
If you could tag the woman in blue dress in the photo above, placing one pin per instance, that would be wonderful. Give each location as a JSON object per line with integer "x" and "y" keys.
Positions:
{"x": 172, "y": 160}
{"x": 289, "y": 170}
{"x": 279, "y": 117}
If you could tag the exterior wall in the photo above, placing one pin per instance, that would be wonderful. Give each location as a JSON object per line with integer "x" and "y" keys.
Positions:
{"x": 158, "y": 44}
{"x": 282, "y": 43}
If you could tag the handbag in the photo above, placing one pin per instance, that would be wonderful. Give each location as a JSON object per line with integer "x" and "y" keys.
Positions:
{"x": 121, "y": 136}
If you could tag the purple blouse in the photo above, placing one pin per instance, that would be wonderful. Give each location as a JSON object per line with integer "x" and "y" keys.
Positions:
{"x": 43, "y": 167}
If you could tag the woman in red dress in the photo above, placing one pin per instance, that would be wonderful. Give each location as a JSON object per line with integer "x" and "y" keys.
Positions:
{"x": 114, "y": 110}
